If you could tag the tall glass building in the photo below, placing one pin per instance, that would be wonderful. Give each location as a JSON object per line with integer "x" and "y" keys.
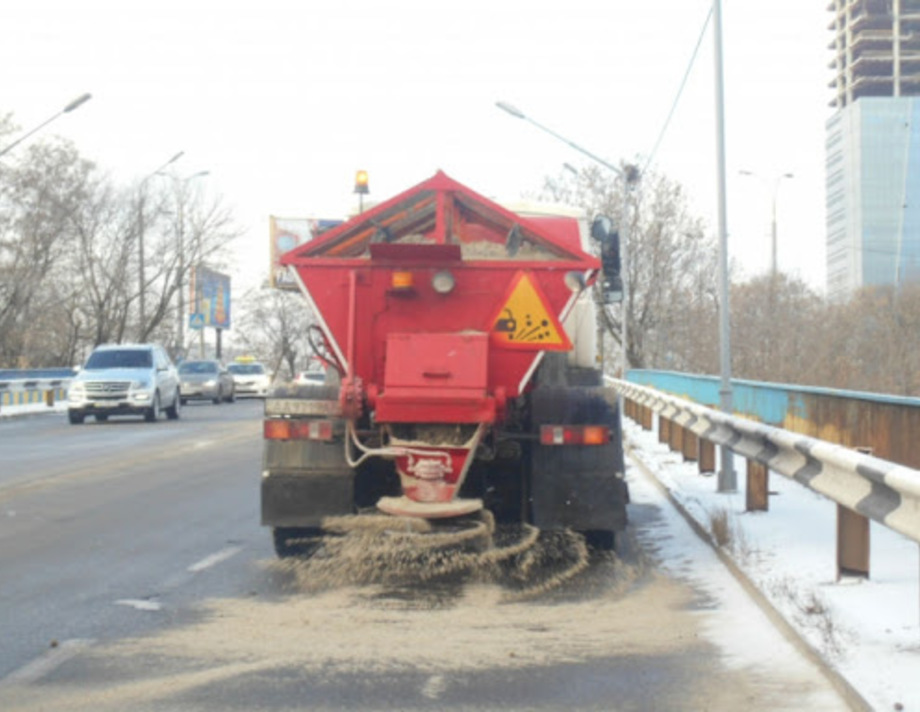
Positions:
{"x": 873, "y": 146}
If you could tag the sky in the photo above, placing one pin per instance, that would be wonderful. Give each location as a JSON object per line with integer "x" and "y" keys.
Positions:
{"x": 282, "y": 101}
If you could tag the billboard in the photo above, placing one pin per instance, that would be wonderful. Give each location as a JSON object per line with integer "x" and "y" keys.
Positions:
{"x": 209, "y": 299}
{"x": 286, "y": 234}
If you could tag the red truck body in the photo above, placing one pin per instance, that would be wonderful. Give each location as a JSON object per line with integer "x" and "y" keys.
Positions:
{"x": 436, "y": 308}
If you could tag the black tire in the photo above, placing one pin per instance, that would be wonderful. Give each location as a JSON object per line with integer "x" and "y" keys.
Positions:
{"x": 232, "y": 397}
{"x": 152, "y": 414}
{"x": 302, "y": 542}
{"x": 183, "y": 401}
{"x": 218, "y": 399}
{"x": 173, "y": 411}
{"x": 601, "y": 539}
{"x": 75, "y": 417}
{"x": 101, "y": 417}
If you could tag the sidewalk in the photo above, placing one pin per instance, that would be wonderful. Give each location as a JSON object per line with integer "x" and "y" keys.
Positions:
{"x": 866, "y": 630}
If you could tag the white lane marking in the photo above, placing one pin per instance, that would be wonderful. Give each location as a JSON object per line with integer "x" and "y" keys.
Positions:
{"x": 44, "y": 664}
{"x": 434, "y": 687}
{"x": 214, "y": 559}
{"x": 140, "y": 604}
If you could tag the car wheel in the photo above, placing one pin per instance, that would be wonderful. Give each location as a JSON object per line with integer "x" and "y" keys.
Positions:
{"x": 232, "y": 397}
{"x": 173, "y": 411}
{"x": 183, "y": 401}
{"x": 75, "y": 417}
{"x": 219, "y": 397}
{"x": 101, "y": 417}
{"x": 152, "y": 414}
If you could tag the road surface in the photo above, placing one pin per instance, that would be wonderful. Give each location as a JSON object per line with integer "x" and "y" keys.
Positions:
{"x": 134, "y": 575}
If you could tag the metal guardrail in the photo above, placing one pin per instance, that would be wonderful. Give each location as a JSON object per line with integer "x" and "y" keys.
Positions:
{"x": 23, "y": 391}
{"x": 855, "y": 419}
{"x": 880, "y": 490}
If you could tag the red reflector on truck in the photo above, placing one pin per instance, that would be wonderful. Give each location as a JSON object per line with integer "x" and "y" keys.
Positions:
{"x": 286, "y": 429}
{"x": 574, "y": 435}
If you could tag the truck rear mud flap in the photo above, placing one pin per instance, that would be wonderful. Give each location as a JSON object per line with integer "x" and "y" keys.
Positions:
{"x": 578, "y": 486}
{"x": 305, "y": 499}
{"x": 577, "y": 499}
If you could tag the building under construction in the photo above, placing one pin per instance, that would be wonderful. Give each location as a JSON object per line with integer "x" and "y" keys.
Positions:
{"x": 873, "y": 146}
{"x": 876, "y": 49}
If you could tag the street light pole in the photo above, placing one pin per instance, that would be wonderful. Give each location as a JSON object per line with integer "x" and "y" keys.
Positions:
{"x": 142, "y": 286}
{"x": 518, "y": 114}
{"x": 179, "y": 189}
{"x": 630, "y": 177}
{"x": 774, "y": 264}
{"x": 727, "y": 481}
{"x": 79, "y": 101}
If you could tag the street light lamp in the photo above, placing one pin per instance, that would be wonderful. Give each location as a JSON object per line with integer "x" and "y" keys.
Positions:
{"x": 630, "y": 176}
{"x": 142, "y": 315}
{"x": 776, "y": 181}
{"x": 79, "y": 101}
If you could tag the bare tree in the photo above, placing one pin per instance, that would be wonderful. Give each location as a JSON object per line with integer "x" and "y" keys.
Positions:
{"x": 670, "y": 267}
{"x": 776, "y": 322}
{"x": 185, "y": 229}
{"x": 38, "y": 195}
{"x": 872, "y": 343}
{"x": 275, "y": 327}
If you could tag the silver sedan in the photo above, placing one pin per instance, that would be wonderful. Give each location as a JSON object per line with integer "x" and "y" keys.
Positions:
{"x": 205, "y": 380}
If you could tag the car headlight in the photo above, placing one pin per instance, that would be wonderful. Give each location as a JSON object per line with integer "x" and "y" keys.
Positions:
{"x": 141, "y": 383}
{"x": 77, "y": 388}
{"x": 211, "y": 383}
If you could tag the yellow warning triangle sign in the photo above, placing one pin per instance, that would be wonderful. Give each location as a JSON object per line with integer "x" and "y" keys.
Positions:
{"x": 525, "y": 320}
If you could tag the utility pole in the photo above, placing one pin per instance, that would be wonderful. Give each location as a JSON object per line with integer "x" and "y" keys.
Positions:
{"x": 727, "y": 479}
{"x": 142, "y": 282}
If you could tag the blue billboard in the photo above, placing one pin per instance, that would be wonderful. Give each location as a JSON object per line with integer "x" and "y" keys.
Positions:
{"x": 209, "y": 300}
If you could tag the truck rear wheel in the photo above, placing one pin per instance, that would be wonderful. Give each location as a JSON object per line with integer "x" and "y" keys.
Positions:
{"x": 296, "y": 541}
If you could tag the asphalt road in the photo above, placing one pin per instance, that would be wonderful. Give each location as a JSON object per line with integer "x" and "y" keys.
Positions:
{"x": 134, "y": 575}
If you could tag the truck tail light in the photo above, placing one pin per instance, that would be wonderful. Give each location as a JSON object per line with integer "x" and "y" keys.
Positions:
{"x": 287, "y": 429}
{"x": 402, "y": 280}
{"x": 574, "y": 435}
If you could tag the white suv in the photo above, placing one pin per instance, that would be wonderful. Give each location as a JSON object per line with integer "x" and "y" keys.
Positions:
{"x": 125, "y": 379}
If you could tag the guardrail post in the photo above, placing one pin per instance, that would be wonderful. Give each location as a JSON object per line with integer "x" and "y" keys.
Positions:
{"x": 677, "y": 438}
{"x": 707, "y": 463}
{"x": 664, "y": 429}
{"x": 852, "y": 543}
{"x": 757, "y": 492}
{"x": 691, "y": 446}
{"x": 853, "y": 539}
{"x": 49, "y": 398}
{"x": 648, "y": 417}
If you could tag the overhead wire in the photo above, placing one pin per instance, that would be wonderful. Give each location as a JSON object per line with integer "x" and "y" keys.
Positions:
{"x": 680, "y": 90}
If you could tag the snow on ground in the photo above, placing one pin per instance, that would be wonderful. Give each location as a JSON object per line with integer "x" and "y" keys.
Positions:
{"x": 868, "y": 630}
{"x": 9, "y": 411}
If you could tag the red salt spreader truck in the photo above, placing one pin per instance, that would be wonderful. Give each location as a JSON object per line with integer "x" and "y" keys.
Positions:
{"x": 461, "y": 374}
